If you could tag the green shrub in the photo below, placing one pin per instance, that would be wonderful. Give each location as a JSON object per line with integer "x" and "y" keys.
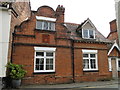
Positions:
{"x": 16, "y": 71}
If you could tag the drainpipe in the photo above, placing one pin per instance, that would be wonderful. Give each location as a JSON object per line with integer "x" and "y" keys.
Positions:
{"x": 12, "y": 47}
{"x": 72, "y": 59}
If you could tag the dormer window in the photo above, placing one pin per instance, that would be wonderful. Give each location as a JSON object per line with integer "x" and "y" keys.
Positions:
{"x": 88, "y": 34}
{"x": 45, "y": 23}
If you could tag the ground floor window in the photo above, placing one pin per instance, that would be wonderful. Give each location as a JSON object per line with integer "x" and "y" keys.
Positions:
{"x": 44, "y": 60}
{"x": 117, "y": 60}
{"x": 90, "y": 60}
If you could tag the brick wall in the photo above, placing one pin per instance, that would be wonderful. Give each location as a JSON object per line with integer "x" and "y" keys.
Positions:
{"x": 113, "y": 35}
{"x": 20, "y": 11}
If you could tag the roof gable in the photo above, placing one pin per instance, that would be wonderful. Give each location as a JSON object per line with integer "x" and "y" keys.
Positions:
{"x": 88, "y": 21}
{"x": 115, "y": 45}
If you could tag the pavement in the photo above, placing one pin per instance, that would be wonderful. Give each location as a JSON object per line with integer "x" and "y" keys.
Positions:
{"x": 0, "y": 83}
{"x": 75, "y": 85}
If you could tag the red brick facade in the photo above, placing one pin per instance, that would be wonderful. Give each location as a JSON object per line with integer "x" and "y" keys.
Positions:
{"x": 115, "y": 51}
{"x": 113, "y": 35}
{"x": 68, "y": 54}
{"x": 19, "y": 12}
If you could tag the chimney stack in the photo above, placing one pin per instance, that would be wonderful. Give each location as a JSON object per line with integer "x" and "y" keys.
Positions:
{"x": 60, "y": 14}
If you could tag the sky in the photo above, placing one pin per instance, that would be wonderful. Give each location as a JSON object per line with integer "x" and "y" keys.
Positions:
{"x": 100, "y": 12}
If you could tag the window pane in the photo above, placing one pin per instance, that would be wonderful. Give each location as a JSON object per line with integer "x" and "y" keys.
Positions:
{"x": 91, "y": 35}
{"x": 85, "y": 55}
{"x": 49, "y": 26}
{"x": 93, "y": 64}
{"x": 47, "y": 61}
{"x": 51, "y": 61}
{"x": 39, "y": 64}
{"x": 118, "y": 63}
{"x": 49, "y": 67}
{"x": 39, "y": 53}
{"x": 49, "y": 53}
{"x": 85, "y": 33}
{"x": 39, "y": 25}
{"x": 86, "y": 64}
{"x": 37, "y": 61}
{"x": 45, "y": 25}
{"x": 37, "y": 67}
{"x": 92, "y": 55}
{"x": 52, "y": 26}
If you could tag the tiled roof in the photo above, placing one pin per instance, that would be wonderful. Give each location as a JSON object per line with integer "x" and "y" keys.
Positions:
{"x": 71, "y": 28}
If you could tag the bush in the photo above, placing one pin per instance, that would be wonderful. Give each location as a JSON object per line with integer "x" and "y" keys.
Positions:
{"x": 16, "y": 71}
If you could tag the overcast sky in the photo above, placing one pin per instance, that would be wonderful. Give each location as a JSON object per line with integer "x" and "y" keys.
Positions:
{"x": 100, "y": 12}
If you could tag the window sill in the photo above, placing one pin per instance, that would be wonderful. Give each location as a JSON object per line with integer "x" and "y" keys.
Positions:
{"x": 35, "y": 73}
{"x": 90, "y": 70}
{"x": 40, "y": 30}
{"x": 89, "y": 38}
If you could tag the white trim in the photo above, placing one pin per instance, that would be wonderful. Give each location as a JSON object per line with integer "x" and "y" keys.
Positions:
{"x": 89, "y": 51}
{"x": 45, "y": 18}
{"x": 44, "y": 49}
{"x": 96, "y": 58}
{"x": 114, "y": 45}
{"x": 117, "y": 64}
{"x": 88, "y": 34}
{"x": 109, "y": 63}
{"x": 88, "y": 20}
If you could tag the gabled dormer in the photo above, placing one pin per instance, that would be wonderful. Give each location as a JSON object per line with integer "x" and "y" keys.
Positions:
{"x": 87, "y": 30}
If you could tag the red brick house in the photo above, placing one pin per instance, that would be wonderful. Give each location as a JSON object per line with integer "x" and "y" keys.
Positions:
{"x": 114, "y": 50}
{"x": 54, "y": 51}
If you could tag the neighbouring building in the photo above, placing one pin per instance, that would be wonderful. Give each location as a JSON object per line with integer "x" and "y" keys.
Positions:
{"x": 117, "y": 9}
{"x": 11, "y": 14}
{"x": 53, "y": 51}
{"x": 114, "y": 50}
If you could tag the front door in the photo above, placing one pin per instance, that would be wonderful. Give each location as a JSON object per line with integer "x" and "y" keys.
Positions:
{"x": 114, "y": 68}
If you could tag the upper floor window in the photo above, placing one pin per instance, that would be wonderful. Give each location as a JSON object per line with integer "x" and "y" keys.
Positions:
{"x": 88, "y": 34}
{"x": 45, "y": 25}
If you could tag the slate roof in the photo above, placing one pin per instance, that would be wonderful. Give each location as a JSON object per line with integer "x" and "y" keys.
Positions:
{"x": 72, "y": 27}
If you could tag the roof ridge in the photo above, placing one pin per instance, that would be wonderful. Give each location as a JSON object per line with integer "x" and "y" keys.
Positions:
{"x": 72, "y": 23}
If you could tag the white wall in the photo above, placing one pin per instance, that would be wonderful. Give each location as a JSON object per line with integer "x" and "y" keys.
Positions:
{"x": 5, "y": 19}
{"x": 117, "y": 8}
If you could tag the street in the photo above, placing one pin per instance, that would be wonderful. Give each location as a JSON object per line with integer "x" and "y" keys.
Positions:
{"x": 99, "y": 85}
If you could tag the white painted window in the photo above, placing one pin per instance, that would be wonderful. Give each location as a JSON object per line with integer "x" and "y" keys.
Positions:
{"x": 45, "y": 25}
{"x": 110, "y": 65}
{"x": 88, "y": 34}
{"x": 90, "y": 60}
{"x": 44, "y": 60}
{"x": 117, "y": 64}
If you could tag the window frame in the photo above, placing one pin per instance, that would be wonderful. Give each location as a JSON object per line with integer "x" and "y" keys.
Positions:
{"x": 50, "y": 25}
{"x": 96, "y": 59}
{"x": 110, "y": 65}
{"x": 44, "y": 50}
{"x": 88, "y": 34}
